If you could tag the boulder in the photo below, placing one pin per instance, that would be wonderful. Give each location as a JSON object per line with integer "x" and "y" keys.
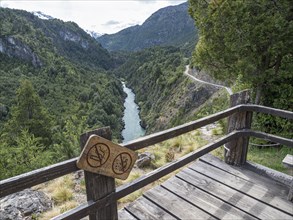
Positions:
{"x": 24, "y": 204}
{"x": 144, "y": 159}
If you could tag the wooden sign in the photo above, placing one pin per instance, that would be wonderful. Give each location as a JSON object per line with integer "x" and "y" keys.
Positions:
{"x": 103, "y": 157}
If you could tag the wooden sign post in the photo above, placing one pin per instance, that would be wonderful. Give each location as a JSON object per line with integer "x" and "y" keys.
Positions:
{"x": 103, "y": 157}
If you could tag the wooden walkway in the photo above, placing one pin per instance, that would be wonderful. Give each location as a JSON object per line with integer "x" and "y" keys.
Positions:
{"x": 211, "y": 189}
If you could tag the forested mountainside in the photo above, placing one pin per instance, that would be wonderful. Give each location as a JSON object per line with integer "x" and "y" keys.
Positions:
{"x": 168, "y": 26}
{"x": 165, "y": 95}
{"x": 66, "y": 39}
{"x": 53, "y": 87}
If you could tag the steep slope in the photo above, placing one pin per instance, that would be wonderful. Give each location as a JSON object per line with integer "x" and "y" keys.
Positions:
{"x": 61, "y": 68}
{"x": 165, "y": 95}
{"x": 65, "y": 64}
{"x": 168, "y": 26}
{"x": 64, "y": 38}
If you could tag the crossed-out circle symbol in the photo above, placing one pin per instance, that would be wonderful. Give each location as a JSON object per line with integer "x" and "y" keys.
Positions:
{"x": 98, "y": 155}
{"x": 121, "y": 163}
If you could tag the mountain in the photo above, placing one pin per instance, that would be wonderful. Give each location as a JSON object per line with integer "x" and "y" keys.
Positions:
{"x": 93, "y": 34}
{"x": 168, "y": 26}
{"x": 41, "y": 15}
{"x": 64, "y": 70}
{"x": 21, "y": 29}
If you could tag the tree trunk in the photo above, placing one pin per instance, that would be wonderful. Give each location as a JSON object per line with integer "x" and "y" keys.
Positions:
{"x": 258, "y": 94}
{"x": 236, "y": 150}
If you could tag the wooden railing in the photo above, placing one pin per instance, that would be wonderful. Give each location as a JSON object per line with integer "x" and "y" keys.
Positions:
{"x": 102, "y": 195}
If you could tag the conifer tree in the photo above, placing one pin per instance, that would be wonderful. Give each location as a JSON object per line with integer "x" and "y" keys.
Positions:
{"x": 251, "y": 38}
{"x": 28, "y": 114}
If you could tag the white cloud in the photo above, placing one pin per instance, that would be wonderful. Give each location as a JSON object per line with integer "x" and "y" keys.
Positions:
{"x": 111, "y": 22}
{"x": 100, "y": 14}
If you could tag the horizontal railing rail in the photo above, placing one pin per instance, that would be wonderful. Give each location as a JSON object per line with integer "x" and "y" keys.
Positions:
{"x": 45, "y": 174}
{"x": 124, "y": 190}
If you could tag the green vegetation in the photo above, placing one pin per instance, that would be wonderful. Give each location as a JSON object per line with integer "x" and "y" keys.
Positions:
{"x": 61, "y": 192}
{"x": 170, "y": 26}
{"x": 249, "y": 42}
{"x": 53, "y": 87}
{"x": 163, "y": 93}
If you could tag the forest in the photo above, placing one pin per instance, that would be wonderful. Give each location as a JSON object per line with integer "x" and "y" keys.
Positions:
{"x": 51, "y": 90}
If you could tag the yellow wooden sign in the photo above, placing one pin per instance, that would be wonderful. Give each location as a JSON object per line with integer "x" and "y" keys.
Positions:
{"x": 101, "y": 156}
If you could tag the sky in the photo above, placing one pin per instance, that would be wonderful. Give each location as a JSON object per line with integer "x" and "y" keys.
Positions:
{"x": 101, "y": 16}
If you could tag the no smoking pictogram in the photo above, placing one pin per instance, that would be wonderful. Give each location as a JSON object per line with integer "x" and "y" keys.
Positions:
{"x": 98, "y": 155}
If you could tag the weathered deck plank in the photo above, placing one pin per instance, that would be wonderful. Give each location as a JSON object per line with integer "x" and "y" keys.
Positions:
{"x": 246, "y": 187}
{"x": 231, "y": 196}
{"x": 145, "y": 209}
{"x": 288, "y": 161}
{"x": 275, "y": 187}
{"x": 124, "y": 215}
{"x": 211, "y": 189}
{"x": 175, "y": 205}
{"x": 204, "y": 200}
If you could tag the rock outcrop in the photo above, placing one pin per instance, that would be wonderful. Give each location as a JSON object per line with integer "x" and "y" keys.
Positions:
{"x": 24, "y": 205}
{"x": 144, "y": 159}
{"x": 15, "y": 48}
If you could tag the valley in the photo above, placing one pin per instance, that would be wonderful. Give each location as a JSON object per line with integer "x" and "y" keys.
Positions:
{"x": 57, "y": 82}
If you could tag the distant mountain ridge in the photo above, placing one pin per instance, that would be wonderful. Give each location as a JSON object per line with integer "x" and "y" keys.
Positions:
{"x": 169, "y": 26}
{"x": 64, "y": 38}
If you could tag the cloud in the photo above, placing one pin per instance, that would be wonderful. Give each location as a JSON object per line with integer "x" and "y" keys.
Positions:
{"x": 3, "y": 5}
{"x": 172, "y": 2}
{"x": 126, "y": 25}
{"x": 111, "y": 23}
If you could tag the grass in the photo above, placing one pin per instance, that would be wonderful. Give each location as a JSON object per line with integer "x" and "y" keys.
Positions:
{"x": 57, "y": 210}
{"x": 164, "y": 152}
{"x": 61, "y": 191}
{"x": 270, "y": 157}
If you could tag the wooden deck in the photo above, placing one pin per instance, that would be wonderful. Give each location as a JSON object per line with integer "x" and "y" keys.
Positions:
{"x": 211, "y": 189}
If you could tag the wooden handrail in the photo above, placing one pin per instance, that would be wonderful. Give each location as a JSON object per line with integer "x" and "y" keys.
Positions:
{"x": 124, "y": 190}
{"x": 179, "y": 130}
{"x": 35, "y": 177}
{"x": 266, "y": 110}
{"x": 258, "y": 134}
{"x": 146, "y": 179}
{"x": 45, "y": 174}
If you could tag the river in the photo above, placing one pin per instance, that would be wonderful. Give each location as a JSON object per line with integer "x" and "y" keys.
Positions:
{"x": 132, "y": 129}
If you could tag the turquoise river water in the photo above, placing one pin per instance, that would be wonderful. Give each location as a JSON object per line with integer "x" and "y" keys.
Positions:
{"x": 132, "y": 129}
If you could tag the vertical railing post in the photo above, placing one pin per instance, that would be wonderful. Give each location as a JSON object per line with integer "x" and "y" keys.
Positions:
{"x": 236, "y": 150}
{"x": 98, "y": 186}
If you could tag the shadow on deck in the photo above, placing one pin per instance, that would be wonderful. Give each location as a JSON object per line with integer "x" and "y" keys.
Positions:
{"x": 211, "y": 189}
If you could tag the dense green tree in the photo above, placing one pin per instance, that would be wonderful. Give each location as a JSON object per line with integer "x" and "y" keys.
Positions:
{"x": 28, "y": 113}
{"x": 249, "y": 42}
{"x": 252, "y": 38}
{"x": 66, "y": 139}
{"x": 27, "y": 154}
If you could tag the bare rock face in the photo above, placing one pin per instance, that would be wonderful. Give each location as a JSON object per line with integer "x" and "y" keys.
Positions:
{"x": 24, "y": 204}
{"x": 15, "y": 48}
